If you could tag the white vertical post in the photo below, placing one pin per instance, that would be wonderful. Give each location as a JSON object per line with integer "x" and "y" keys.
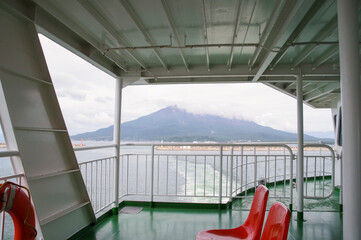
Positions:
{"x": 152, "y": 179}
{"x": 220, "y": 175}
{"x": 348, "y": 30}
{"x": 2, "y": 225}
{"x": 341, "y": 188}
{"x": 292, "y": 157}
{"x": 116, "y": 139}
{"x": 231, "y": 177}
{"x": 299, "y": 164}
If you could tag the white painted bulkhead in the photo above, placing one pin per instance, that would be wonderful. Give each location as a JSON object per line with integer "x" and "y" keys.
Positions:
{"x": 39, "y": 132}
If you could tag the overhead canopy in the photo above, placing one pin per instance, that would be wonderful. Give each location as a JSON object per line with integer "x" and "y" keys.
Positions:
{"x": 202, "y": 41}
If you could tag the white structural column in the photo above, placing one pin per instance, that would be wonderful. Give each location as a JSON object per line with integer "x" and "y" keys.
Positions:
{"x": 299, "y": 164}
{"x": 351, "y": 116}
{"x": 116, "y": 139}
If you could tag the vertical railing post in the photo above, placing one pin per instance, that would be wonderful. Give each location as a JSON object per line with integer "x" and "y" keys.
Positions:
{"x": 300, "y": 170}
{"x": 220, "y": 175}
{"x": 255, "y": 167}
{"x": 292, "y": 157}
{"x": 341, "y": 187}
{"x": 2, "y": 224}
{"x": 241, "y": 169}
{"x": 116, "y": 140}
{"x": 231, "y": 178}
{"x": 152, "y": 178}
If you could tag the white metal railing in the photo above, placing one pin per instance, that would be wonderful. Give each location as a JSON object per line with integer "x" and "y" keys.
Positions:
{"x": 98, "y": 177}
{"x": 319, "y": 166}
{"x": 9, "y": 153}
{"x": 217, "y": 173}
{"x": 176, "y": 174}
{"x": 272, "y": 165}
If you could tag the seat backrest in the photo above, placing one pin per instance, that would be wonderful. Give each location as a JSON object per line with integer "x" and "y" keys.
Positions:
{"x": 277, "y": 223}
{"x": 257, "y": 212}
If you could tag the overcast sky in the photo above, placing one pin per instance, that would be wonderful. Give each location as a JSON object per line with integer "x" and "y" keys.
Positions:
{"x": 86, "y": 96}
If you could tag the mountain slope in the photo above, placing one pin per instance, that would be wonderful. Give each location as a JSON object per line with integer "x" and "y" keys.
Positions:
{"x": 174, "y": 124}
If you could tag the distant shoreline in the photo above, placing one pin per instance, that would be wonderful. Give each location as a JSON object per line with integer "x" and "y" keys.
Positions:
{"x": 228, "y": 148}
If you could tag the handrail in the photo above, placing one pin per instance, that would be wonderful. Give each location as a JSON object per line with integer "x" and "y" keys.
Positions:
{"x": 95, "y": 160}
{"x": 210, "y": 144}
{"x": 11, "y": 176}
{"x": 250, "y": 144}
{"x": 94, "y": 147}
{"x": 9, "y": 153}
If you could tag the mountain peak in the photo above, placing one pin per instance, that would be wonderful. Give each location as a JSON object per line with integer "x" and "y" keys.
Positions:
{"x": 172, "y": 108}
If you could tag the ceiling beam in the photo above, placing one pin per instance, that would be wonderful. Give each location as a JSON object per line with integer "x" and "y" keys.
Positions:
{"x": 306, "y": 85}
{"x": 325, "y": 32}
{"x": 205, "y": 32}
{"x": 329, "y": 53}
{"x": 328, "y": 88}
{"x": 315, "y": 87}
{"x": 271, "y": 22}
{"x": 282, "y": 90}
{"x": 291, "y": 86}
{"x": 174, "y": 31}
{"x": 276, "y": 81}
{"x": 199, "y": 80}
{"x": 285, "y": 17}
{"x": 235, "y": 28}
{"x": 300, "y": 27}
{"x": 143, "y": 30}
{"x": 246, "y": 33}
{"x": 93, "y": 11}
{"x": 293, "y": 95}
{"x": 322, "y": 73}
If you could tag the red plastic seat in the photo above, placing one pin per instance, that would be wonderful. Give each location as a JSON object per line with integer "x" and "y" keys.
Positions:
{"x": 277, "y": 223}
{"x": 252, "y": 227}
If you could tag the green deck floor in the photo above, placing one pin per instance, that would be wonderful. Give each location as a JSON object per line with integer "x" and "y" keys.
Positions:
{"x": 323, "y": 221}
{"x": 182, "y": 224}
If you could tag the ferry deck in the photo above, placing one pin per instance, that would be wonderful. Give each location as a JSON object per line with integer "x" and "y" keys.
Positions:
{"x": 307, "y": 49}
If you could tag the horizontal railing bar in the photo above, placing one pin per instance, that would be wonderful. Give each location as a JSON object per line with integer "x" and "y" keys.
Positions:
{"x": 94, "y": 147}
{"x": 11, "y": 176}
{"x": 9, "y": 153}
{"x": 263, "y": 144}
{"x": 96, "y": 160}
{"x": 209, "y": 155}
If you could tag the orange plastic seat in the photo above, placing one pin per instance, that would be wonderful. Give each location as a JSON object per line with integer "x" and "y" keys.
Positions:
{"x": 252, "y": 227}
{"x": 277, "y": 223}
